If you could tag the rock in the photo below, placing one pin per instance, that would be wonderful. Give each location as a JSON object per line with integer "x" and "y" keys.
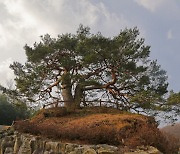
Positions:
{"x": 38, "y": 151}
{"x": 25, "y": 147}
{"x": 6, "y": 142}
{"x": 153, "y": 150}
{"x": 29, "y": 144}
{"x": 52, "y": 146}
{"x": 106, "y": 149}
{"x": 79, "y": 150}
{"x": 89, "y": 151}
{"x": 62, "y": 147}
{"x": 73, "y": 152}
{"x": 9, "y": 150}
{"x": 17, "y": 144}
{"x": 40, "y": 143}
{"x": 145, "y": 150}
{"x": 70, "y": 147}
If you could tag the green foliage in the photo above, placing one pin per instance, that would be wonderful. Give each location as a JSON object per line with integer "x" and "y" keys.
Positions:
{"x": 84, "y": 62}
{"x": 174, "y": 98}
{"x": 174, "y": 101}
{"x": 10, "y": 112}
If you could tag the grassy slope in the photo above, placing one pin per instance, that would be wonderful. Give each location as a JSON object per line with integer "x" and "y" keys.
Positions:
{"x": 96, "y": 126}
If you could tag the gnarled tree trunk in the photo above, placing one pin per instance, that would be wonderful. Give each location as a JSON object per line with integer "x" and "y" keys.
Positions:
{"x": 66, "y": 91}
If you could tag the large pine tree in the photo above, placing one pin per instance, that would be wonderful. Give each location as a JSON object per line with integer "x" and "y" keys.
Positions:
{"x": 72, "y": 65}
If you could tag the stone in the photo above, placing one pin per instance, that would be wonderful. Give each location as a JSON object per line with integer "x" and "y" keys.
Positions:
{"x": 25, "y": 147}
{"x": 62, "y": 148}
{"x": 29, "y": 144}
{"x": 79, "y": 150}
{"x": 73, "y": 152}
{"x": 145, "y": 150}
{"x": 70, "y": 147}
{"x": 52, "y": 146}
{"x": 89, "y": 151}
{"x": 17, "y": 144}
{"x": 41, "y": 143}
{"x": 38, "y": 151}
{"x": 4, "y": 144}
{"x": 106, "y": 149}
{"x": 153, "y": 150}
{"x": 9, "y": 150}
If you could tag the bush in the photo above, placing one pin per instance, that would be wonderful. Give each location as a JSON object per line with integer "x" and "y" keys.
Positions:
{"x": 152, "y": 136}
{"x": 10, "y": 112}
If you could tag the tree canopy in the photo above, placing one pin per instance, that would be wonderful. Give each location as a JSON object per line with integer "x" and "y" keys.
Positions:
{"x": 76, "y": 66}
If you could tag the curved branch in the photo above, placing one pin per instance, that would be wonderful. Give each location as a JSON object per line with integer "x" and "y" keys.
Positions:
{"x": 96, "y": 72}
{"x": 114, "y": 79}
{"x": 53, "y": 85}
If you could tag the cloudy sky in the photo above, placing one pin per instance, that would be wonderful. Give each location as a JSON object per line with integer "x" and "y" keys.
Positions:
{"x": 23, "y": 21}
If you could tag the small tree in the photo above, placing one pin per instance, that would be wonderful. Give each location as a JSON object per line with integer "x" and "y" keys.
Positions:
{"x": 174, "y": 101}
{"x": 70, "y": 66}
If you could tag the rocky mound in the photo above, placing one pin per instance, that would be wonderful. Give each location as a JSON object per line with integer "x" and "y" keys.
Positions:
{"x": 97, "y": 126}
{"x": 14, "y": 142}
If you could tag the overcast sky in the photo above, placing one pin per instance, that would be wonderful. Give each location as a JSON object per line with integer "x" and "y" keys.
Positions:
{"x": 23, "y": 21}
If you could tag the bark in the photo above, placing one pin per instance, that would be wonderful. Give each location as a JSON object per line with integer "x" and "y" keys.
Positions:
{"x": 67, "y": 97}
{"x": 66, "y": 91}
{"x": 78, "y": 96}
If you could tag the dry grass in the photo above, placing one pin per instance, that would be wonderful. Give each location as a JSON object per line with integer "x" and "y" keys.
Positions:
{"x": 173, "y": 130}
{"x": 97, "y": 126}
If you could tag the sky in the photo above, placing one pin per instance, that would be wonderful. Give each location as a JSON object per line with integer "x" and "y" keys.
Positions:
{"x": 24, "y": 21}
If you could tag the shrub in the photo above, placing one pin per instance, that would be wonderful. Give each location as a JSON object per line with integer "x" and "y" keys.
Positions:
{"x": 147, "y": 135}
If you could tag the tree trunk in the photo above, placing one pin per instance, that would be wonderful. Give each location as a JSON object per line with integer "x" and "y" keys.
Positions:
{"x": 78, "y": 96}
{"x": 67, "y": 97}
{"x": 66, "y": 91}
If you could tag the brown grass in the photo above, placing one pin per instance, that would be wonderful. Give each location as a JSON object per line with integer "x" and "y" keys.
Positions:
{"x": 98, "y": 126}
{"x": 173, "y": 130}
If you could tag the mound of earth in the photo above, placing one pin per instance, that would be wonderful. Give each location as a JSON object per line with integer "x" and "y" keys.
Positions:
{"x": 96, "y": 126}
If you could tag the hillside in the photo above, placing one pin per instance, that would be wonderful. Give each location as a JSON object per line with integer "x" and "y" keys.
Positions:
{"x": 97, "y": 126}
{"x": 173, "y": 130}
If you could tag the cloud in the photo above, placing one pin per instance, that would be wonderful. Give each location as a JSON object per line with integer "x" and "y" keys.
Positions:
{"x": 6, "y": 75}
{"x": 66, "y": 15}
{"x": 151, "y": 5}
{"x": 23, "y": 21}
{"x": 170, "y": 35}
